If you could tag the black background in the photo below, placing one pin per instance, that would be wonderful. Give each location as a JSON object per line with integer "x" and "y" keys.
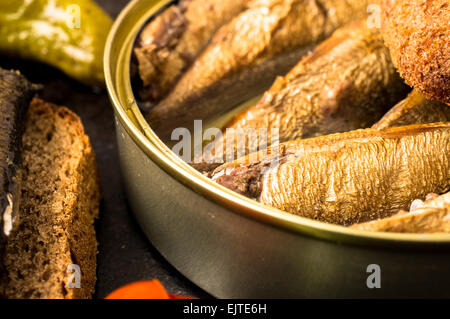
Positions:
{"x": 125, "y": 254}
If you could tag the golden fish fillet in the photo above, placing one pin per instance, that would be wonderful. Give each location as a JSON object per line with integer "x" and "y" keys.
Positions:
{"x": 169, "y": 43}
{"x": 347, "y": 83}
{"x": 347, "y": 178}
{"x": 246, "y": 55}
{"x": 415, "y": 109}
{"x": 433, "y": 216}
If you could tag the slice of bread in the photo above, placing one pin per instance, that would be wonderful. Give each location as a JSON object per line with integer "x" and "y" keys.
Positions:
{"x": 60, "y": 197}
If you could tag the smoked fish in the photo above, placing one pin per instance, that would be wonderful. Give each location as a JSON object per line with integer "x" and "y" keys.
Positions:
{"x": 15, "y": 95}
{"x": 415, "y": 109}
{"x": 346, "y": 178}
{"x": 169, "y": 44}
{"x": 246, "y": 54}
{"x": 432, "y": 216}
{"x": 347, "y": 83}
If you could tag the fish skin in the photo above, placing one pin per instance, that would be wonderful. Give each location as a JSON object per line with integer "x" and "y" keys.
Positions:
{"x": 432, "y": 217}
{"x": 415, "y": 109}
{"x": 346, "y": 178}
{"x": 168, "y": 45}
{"x": 245, "y": 56}
{"x": 347, "y": 83}
{"x": 15, "y": 95}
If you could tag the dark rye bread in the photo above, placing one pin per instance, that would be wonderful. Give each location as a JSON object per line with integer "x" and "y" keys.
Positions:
{"x": 59, "y": 202}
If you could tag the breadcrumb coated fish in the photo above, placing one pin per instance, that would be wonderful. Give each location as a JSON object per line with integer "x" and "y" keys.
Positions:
{"x": 418, "y": 34}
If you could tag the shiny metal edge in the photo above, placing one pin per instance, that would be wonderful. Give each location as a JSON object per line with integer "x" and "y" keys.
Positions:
{"x": 118, "y": 51}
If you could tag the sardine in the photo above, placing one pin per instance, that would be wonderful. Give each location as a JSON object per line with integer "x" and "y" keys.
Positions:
{"x": 431, "y": 216}
{"x": 245, "y": 56}
{"x": 15, "y": 95}
{"x": 169, "y": 44}
{"x": 347, "y": 83}
{"x": 415, "y": 109}
{"x": 346, "y": 178}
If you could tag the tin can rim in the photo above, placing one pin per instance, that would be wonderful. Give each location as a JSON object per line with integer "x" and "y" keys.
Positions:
{"x": 117, "y": 58}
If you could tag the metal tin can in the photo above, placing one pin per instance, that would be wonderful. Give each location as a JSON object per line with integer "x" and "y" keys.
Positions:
{"x": 234, "y": 247}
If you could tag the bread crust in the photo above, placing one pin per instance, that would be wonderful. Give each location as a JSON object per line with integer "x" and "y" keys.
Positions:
{"x": 417, "y": 33}
{"x": 60, "y": 200}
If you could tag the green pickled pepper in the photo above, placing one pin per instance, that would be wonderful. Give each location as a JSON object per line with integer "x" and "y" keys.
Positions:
{"x": 67, "y": 34}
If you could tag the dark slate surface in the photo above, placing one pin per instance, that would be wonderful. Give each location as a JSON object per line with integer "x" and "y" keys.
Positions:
{"x": 125, "y": 254}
